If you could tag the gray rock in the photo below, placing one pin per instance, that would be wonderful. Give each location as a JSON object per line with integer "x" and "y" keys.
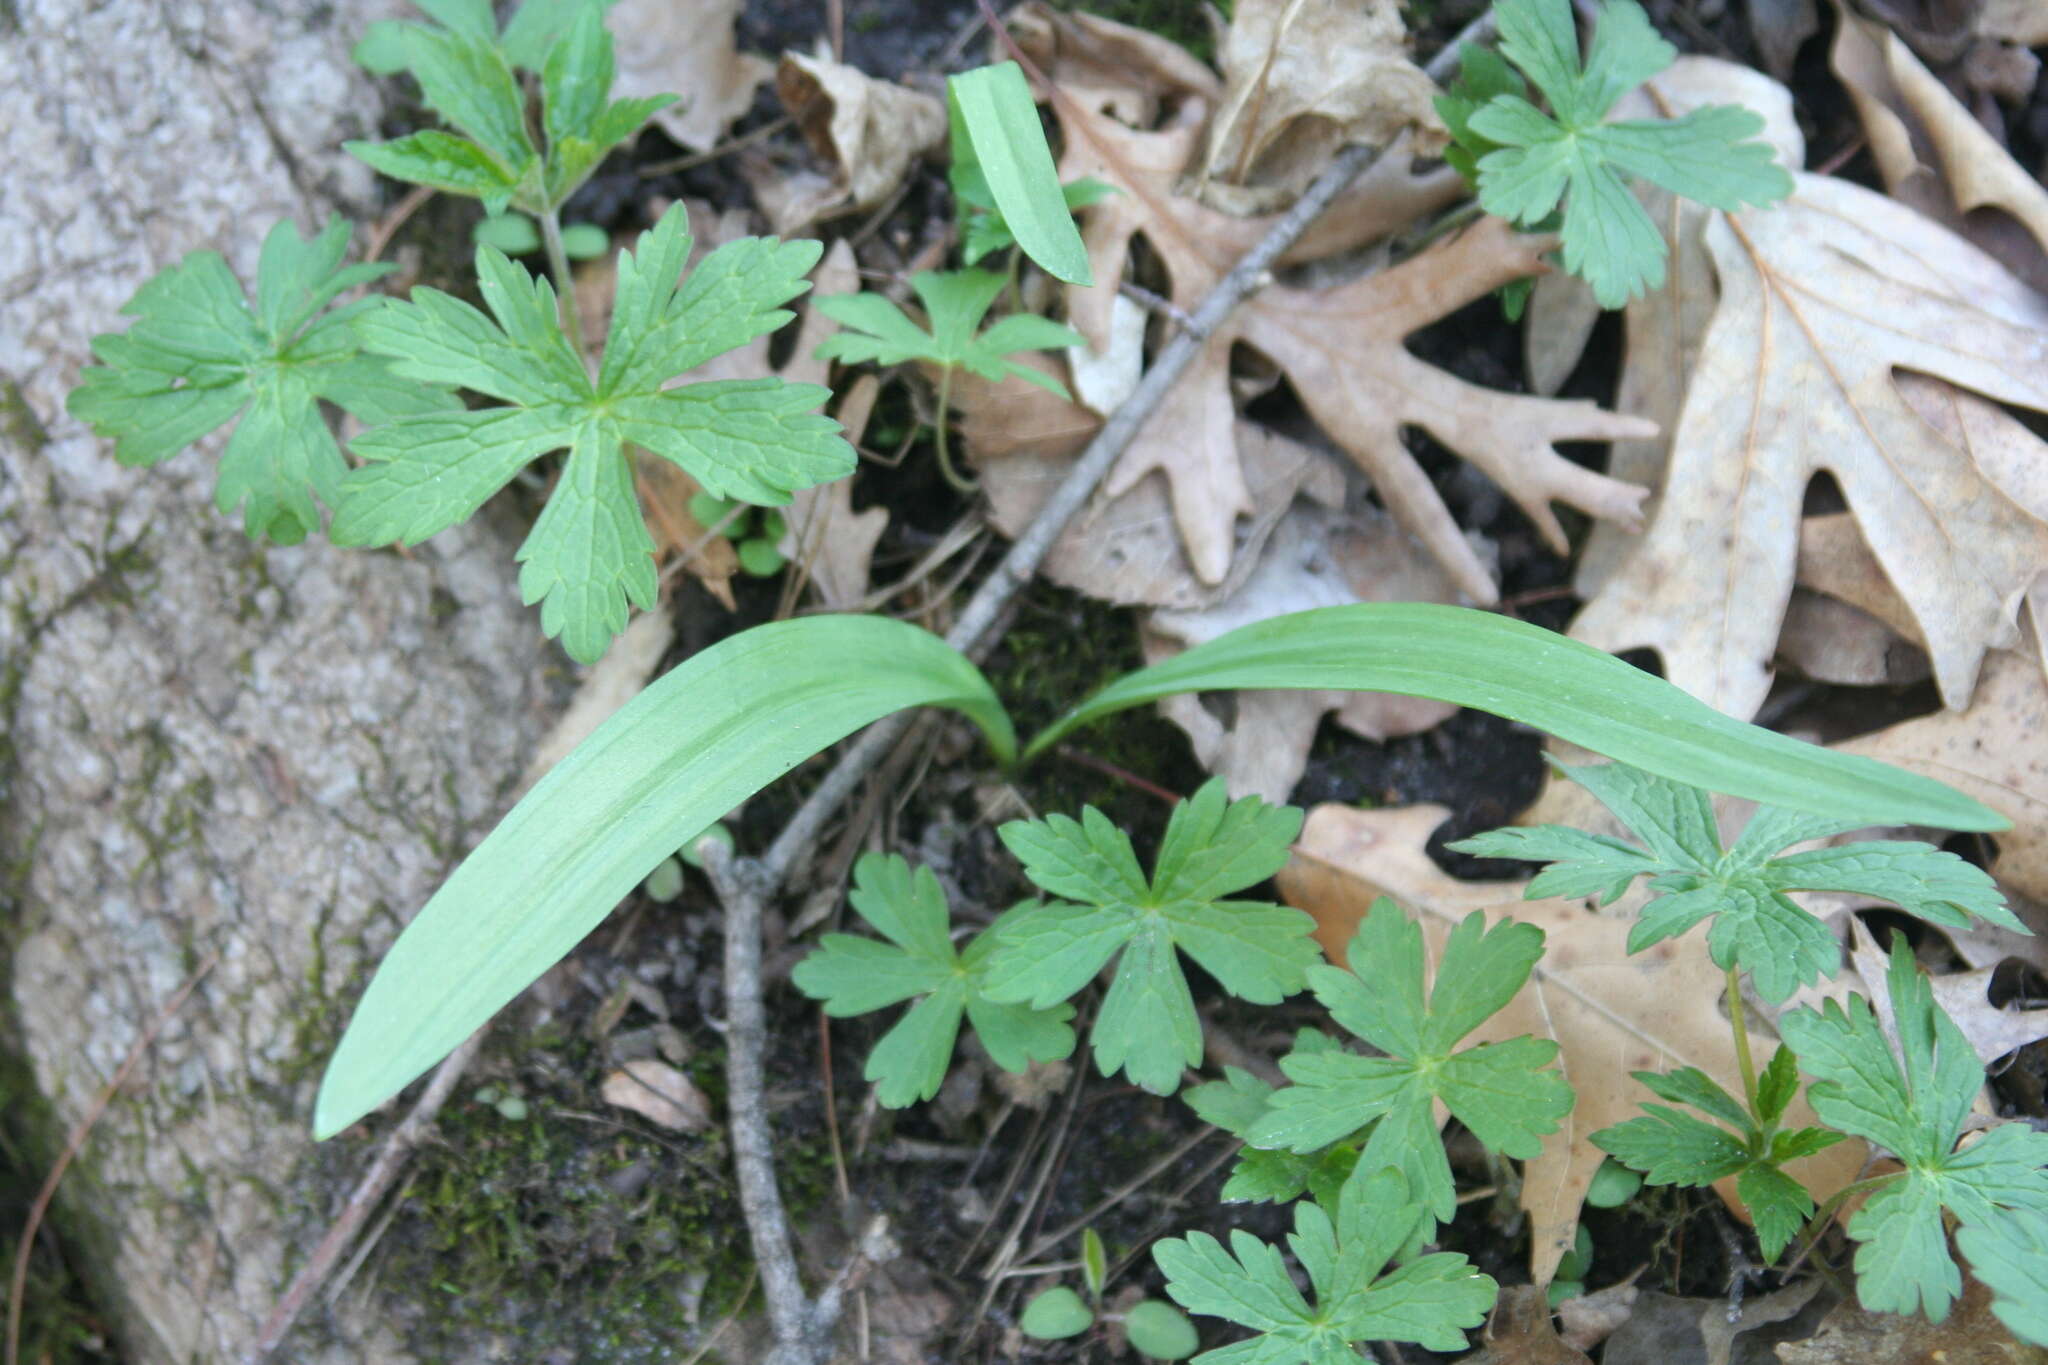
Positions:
{"x": 206, "y": 748}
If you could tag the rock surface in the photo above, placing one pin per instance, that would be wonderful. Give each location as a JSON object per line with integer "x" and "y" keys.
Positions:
{"x": 206, "y": 748}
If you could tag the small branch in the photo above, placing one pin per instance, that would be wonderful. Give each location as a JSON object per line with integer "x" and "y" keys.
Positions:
{"x": 391, "y": 1159}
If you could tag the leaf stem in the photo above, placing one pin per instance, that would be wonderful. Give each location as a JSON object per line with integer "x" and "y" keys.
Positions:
{"x": 1741, "y": 1032}
{"x": 953, "y": 477}
{"x": 565, "y": 283}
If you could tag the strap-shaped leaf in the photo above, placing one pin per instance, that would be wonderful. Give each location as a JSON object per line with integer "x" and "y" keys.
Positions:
{"x": 703, "y": 738}
{"x": 1525, "y": 673}
{"x": 996, "y": 120}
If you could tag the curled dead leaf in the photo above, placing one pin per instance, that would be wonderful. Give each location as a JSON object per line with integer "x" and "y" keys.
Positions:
{"x": 1301, "y": 78}
{"x": 869, "y": 131}
{"x": 665, "y": 46}
{"x": 658, "y": 1093}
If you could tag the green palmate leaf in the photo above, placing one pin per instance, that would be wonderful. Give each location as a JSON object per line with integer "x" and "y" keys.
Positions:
{"x": 467, "y": 74}
{"x": 1914, "y": 1102}
{"x": 1527, "y": 162}
{"x": 1236, "y": 1104}
{"x": 1526, "y": 673}
{"x": 997, "y": 135}
{"x": 858, "y": 975}
{"x": 1429, "y": 1301}
{"x": 1671, "y": 1147}
{"x": 1757, "y": 926}
{"x": 2011, "y": 1256}
{"x": 697, "y": 742}
{"x": 589, "y": 554}
{"x": 1498, "y": 1090}
{"x": 955, "y": 301}
{"x": 1109, "y": 909}
{"x": 199, "y": 355}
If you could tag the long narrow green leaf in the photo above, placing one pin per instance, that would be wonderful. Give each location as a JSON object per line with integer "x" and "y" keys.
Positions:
{"x": 703, "y": 738}
{"x": 1529, "y": 674}
{"x": 993, "y": 105}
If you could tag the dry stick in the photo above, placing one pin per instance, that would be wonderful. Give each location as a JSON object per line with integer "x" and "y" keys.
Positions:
{"x": 391, "y": 1159}
{"x": 75, "y": 1141}
{"x": 743, "y": 886}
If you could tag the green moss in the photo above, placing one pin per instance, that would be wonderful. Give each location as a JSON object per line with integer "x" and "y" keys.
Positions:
{"x": 1061, "y": 647}
{"x": 577, "y": 1229}
{"x": 18, "y": 421}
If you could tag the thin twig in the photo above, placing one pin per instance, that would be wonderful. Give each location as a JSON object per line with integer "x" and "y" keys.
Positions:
{"x": 74, "y": 1142}
{"x": 799, "y": 1327}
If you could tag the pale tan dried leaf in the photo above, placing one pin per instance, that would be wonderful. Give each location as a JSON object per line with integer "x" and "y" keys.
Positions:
{"x": 1519, "y": 1332}
{"x": 2024, "y": 22}
{"x": 1611, "y": 1013}
{"x": 1667, "y": 1329}
{"x": 1835, "y": 560}
{"x": 1110, "y": 67}
{"x": 1996, "y": 751}
{"x": 1126, "y": 549}
{"x": 833, "y": 544}
{"x": 685, "y": 47}
{"x": 1318, "y": 557}
{"x": 869, "y": 131}
{"x": 1822, "y": 299}
{"x": 790, "y": 198}
{"x": 1933, "y": 153}
{"x": 1828, "y": 640}
{"x": 627, "y": 666}
{"x": 659, "y": 1093}
{"x": 665, "y": 492}
{"x": 1017, "y": 417}
{"x": 1561, "y": 315}
{"x": 1664, "y": 329}
{"x": 1964, "y": 996}
{"x": 1970, "y": 1335}
{"x": 1300, "y": 79}
{"x": 1343, "y": 349}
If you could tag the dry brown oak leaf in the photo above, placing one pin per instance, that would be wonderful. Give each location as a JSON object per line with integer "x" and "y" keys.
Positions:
{"x": 1823, "y": 299}
{"x": 1342, "y": 347}
{"x": 1610, "y": 1013}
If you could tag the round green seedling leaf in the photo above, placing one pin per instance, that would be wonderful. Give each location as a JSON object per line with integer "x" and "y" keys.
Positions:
{"x": 584, "y": 241}
{"x": 1161, "y": 1331}
{"x": 1056, "y": 1314}
{"x": 1560, "y": 1290}
{"x": 1576, "y": 1262}
{"x": 512, "y": 233}
{"x": 709, "y": 509}
{"x": 1613, "y": 1185}
{"x": 773, "y": 526}
{"x": 760, "y": 558}
{"x": 665, "y": 883}
{"x": 513, "y": 1108}
{"x": 688, "y": 852}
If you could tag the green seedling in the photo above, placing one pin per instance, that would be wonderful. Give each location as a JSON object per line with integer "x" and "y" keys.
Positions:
{"x": 955, "y": 301}
{"x": 1572, "y": 1268}
{"x": 1913, "y": 1101}
{"x": 1567, "y": 169}
{"x": 999, "y": 150}
{"x": 1431, "y": 1300}
{"x": 589, "y": 554}
{"x": 1237, "y": 1103}
{"x": 1671, "y": 1147}
{"x": 1613, "y": 1185}
{"x": 1056, "y": 1314}
{"x": 1757, "y": 926}
{"x": 858, "y": 975}
{"x": 1155, "y": 1330}
{"x": 1498, "y": 1090}
{"x": 665, "y": 883}
{"x": 200, "y": 356}
{"x": 1107, "y": 908}
{"x": 467, "y": 74}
